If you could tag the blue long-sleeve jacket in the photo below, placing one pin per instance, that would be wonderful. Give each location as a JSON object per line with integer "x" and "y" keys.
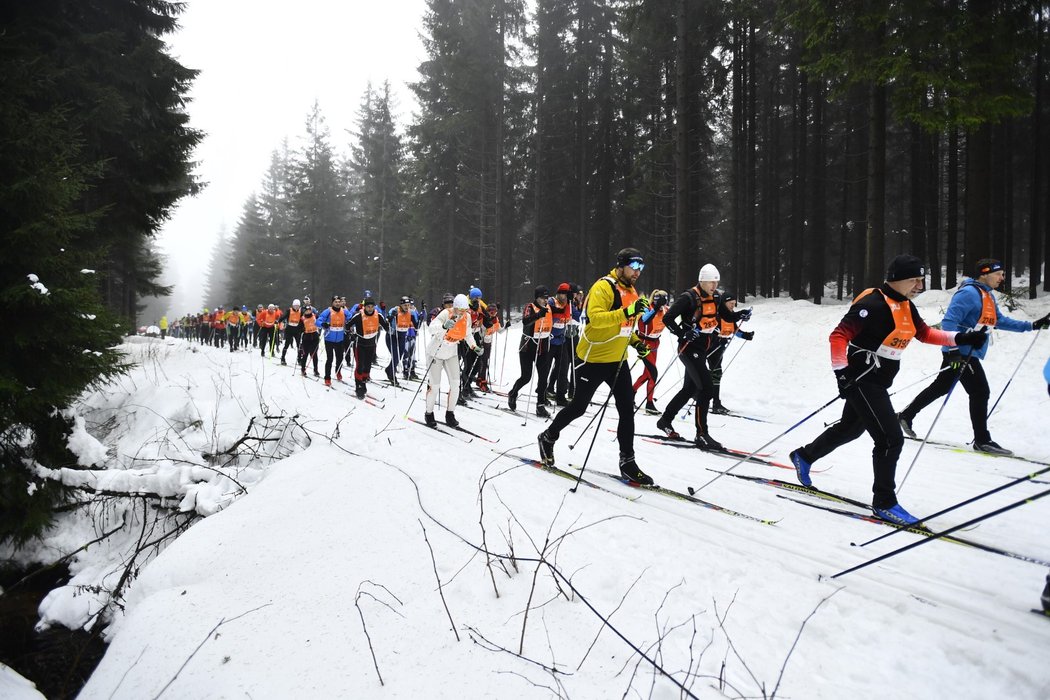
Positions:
{"x": 964, "y": 311}
{"x": 332, "y": 335}
{"x": 1046, "y": 372}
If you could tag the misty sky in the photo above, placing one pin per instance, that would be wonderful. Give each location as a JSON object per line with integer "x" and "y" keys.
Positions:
{"x": 263, "y": 63}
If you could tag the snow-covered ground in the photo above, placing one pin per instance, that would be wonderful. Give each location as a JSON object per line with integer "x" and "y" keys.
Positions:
{"x": 329, "y": 529}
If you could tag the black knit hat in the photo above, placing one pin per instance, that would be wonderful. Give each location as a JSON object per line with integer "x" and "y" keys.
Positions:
{"x": 905, "y": 267}
{"x": 540, "y": 291}
{"x": 987, "y": 265}
{"x": 627, "y": 256}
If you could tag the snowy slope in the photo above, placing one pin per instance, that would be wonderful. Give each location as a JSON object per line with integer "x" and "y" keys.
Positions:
{"x": 272, "y": 593}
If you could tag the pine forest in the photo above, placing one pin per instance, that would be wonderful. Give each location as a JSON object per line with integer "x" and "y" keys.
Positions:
{"x": 796, "y": 145}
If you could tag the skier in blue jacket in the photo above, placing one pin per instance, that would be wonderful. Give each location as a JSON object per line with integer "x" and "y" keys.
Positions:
{"x": 972, "y": 307}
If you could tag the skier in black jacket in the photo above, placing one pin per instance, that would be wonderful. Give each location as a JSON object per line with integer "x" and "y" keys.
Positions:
{"x": 695, "y": 317}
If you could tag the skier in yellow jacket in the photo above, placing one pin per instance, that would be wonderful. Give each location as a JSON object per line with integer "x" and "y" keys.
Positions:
{"x": 612, "y": 307}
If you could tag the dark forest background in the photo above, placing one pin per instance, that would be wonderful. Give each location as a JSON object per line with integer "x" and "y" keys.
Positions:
{"x": 797, "y": 145}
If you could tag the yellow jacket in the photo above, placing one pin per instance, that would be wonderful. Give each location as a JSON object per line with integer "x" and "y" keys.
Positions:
{"x": 608, "y": 330}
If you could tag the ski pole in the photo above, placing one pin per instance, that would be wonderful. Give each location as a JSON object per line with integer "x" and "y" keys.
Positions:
{"x": 756, "y": 451}
{"x": 997, "y": 489}
{"x": 955, "y": 382}
{"x": 945, "y": 533}
{"x": 600, "y": 415}
{"x": 533, "y": 370}
{"x": 726, "y": 368}
{"x": 1015, "y": 372}
{"x": 664, "y": 373}
{"x": 920, "y": 380}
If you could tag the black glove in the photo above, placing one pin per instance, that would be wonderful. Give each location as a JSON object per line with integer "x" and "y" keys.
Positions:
{"x": 1042, "y": 323}
{"x": 954, "y": 360}
{"x": 325, "y": 325}
{"x": 845, "y": 381}
{"x": 689, "y": 334}
{"x": 745, "y": 315}
{"x": 977, "y": 339}
{"x": 746, "y": 335}
{"x": 542, "y": 313}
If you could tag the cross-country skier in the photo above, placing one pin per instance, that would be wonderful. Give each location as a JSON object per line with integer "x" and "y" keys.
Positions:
{"x": 449, "y": 327}
{"x": 535, "y": 348}
{"x": 561, "y": 346}
{"x": 491, "y": 329}
{"x": 650, "y": 326}
{"x": 333, "y": 321}
{"x": 365, "y": 326}
{"x": 470, "y": 360}
{"x": 727, "y": 330}
{"x": 972, "y": 306}
{"x": 293, "y": 329}
{"x": 695, "y": 317}
{"x": 866, "y": 348}
{"x": 311, "y": 339}
{"x": 612, "y": 307}
{"x": 404, "y": 319}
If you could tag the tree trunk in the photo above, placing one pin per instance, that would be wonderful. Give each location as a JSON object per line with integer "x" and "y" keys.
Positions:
{"x": 932, "y": 216}
{"x": 818, "y": 190}
{"x": 951, "y": 253}
{"x": 1035, "y": 188}
{"x": 681, "y": 151}
{"x": 875, "y": 239}
{"x": 978, "y": 195}
{"x": 798, "y": 191}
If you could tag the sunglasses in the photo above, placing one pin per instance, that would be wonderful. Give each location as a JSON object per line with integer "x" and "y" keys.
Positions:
{"x": 636, "y": 265}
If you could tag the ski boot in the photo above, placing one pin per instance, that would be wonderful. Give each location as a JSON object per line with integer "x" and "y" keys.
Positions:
{"x": 546, "y": 444}
{"x": 897, "y": 515}
{"x": 629, "y": 470}
{"x": 802, "y": 466}
{"x": 450, "y": 419}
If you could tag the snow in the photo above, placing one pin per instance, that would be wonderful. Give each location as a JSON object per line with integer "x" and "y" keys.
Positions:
{"x": 14, "y": 687}
{"x": 35, "y": 283}
{"x": 89, "y": 451}
{"x": 320, "y": 537}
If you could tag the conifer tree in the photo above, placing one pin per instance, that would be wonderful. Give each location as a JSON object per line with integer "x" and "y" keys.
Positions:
{"x": 318, "y": 214}
{"x": 378, "y": 194}
{"x": 95, "y": 151}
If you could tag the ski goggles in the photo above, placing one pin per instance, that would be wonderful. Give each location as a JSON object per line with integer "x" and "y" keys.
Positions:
{"x": 636, "y": 265}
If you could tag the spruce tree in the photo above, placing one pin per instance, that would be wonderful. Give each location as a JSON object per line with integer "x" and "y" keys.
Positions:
{"x": 95, "y": 152}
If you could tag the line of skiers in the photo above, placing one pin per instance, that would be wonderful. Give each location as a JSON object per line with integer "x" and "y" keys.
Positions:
{"x": 574, "y": 342}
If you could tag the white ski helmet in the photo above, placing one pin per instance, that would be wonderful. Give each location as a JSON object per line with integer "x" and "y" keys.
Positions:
{"x": 709, "y": 273}
{"x": 271, "y": 307}
{"x": 460, "y": 302}
{"x": 295, "y": 303}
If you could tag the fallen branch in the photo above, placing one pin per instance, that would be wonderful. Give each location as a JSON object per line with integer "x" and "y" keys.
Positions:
{"x": 221, "y": 622}
{"x": 441, "y": 592}
{"x": 361, "y": 613}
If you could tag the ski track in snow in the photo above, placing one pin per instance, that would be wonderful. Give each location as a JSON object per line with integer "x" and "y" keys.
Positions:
{"x": 280, "y": 566}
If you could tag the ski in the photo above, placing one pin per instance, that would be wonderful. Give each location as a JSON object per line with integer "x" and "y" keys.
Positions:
{"x": 919, "y": 530}
{"x": 797, "y": 488}
{"x": 679, "y": 495}
{"x": 444, "y": 430}
{"x": 1041, "y": 613}
{"x": 739, "y": 455}
{"x": 962, "y": 450}
{"x": 684, "y": 442}
{"x": 371, "y": 400}
{"x": 734, "y": 414}
{"x": 461, "y": 429}
{"x": 564, "y": 474}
